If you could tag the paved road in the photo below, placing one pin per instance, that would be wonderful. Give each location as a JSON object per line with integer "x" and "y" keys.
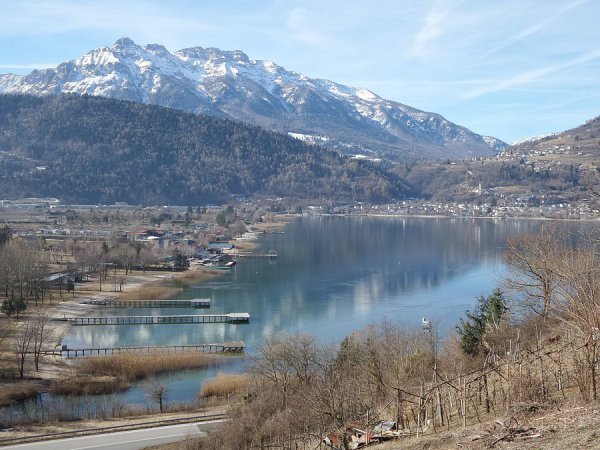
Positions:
{"x": 124, "y": 440}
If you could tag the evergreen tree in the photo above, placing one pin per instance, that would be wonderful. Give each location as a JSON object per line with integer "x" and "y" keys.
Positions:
{"x": 13, "y": 305}
{"x": 180, "y": 261}
{"x": 220, "y": 219}
{"x": 5, "y": 235}
{"x": 487, "y": 315}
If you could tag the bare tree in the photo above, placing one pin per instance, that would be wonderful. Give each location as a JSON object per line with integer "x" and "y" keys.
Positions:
{"x": 156, "y": 391}
{"x": 22, "y": 343}
{"x": 341, "y": 391}
{"x": 5, "y": 329}
{"x": 22, "y": 267}
{"x": 579, "y": 307}
{"x": 286, "y": 362}
{"x": 531, "y": 260}
{"x": 238, "y": 227}
{"x": 88, "y": 259}
{"x": 147, "y": 257}
{"x": 42, "y": 333}
{"x": 126, "y": 255}
{"x": 19, "y": 268}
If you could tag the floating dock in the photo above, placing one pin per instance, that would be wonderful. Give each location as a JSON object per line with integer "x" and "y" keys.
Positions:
{"x": 193, "y": 303}
{"x": 233, "y": 318}
{"x": 228, "y": 347}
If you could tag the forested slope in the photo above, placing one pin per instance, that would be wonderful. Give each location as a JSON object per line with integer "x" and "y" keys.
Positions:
{"x": 97, "y": 150}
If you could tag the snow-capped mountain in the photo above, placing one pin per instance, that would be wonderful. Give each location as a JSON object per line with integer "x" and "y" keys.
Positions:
{"x": 532, "y": 139}
{"x": 229, "y": 84}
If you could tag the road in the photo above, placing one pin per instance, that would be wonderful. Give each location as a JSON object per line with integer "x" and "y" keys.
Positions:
{"x": 124, "y": 440}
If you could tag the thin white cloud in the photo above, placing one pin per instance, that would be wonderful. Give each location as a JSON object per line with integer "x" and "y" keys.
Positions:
{"x": 27, "y": 66}
{"x": 565, "y": 105}
{"x": 530, "y": 76}
{"x": 31, "y": 18}
{"x": 535, "y": 28}
{"x": 434, "y": 26}
{"x": 301, "y": 27}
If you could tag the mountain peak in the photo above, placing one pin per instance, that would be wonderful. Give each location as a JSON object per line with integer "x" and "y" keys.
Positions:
{"x": 124, "y": 42}
{"x": 230, "y": 84}
{"x": 157, "y": 49}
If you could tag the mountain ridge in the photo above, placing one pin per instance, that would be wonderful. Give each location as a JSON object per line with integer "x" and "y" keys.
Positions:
{"x": 230, "y": 84}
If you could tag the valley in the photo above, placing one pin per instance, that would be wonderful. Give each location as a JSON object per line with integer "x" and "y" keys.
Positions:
{"x": 305, "y": 221}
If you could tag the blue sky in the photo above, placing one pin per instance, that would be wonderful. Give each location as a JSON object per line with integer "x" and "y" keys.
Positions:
{"x": 506, "y": 68}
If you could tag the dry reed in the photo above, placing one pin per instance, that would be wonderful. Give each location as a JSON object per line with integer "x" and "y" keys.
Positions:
{"x": 135, "y": 366}
{"x": 13, "y": 393}
{"x": 189, "y": 277}
{"x": 89, "y": 385}
{"x": 224, "y": 384}
{"x": 158, "y": 290}
{"x": 151, "y": 292}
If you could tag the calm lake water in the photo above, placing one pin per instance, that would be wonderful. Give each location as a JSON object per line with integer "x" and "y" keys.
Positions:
{"x": 333, "y": 275}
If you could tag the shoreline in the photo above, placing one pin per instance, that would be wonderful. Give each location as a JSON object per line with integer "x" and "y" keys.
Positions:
{"x": 135, "y": 282}
{"x": 74, "y": 305}
{"x": 52, "y": 367}
{"x": 441, "y": 216}
{"x": 476, "y": 428}
{"x": 80, "y": 303}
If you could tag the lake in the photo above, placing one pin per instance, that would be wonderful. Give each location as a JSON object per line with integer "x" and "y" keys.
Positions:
{"x": 333, "y": 275}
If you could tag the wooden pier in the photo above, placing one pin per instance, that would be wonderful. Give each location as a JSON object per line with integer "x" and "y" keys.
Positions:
{"x": 271, "y": 254}
{"x": 233, "y": 318}
{"x": 228, "y": 347}
{"x": 193, "y": 303}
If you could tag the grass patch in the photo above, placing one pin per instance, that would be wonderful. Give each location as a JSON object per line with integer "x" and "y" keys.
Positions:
{"x": 190, "y": 277}
{"x": 89, "y": 385}
{"x": 13, "y": 393}
{"x": 136, "y": 366}
{"x": 168, "y": 288}
{"x": 224, "y": 384}
{"x": 151, "y": 292}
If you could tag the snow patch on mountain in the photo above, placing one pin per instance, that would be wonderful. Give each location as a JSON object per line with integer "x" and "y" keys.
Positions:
{"x": 309, "y": 138}
{"x": 533, "y": 138}
{"x": 8, "y": 81}
{"x": 229, "y": 83}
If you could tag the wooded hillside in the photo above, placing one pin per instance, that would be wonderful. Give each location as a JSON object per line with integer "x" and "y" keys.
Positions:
{"x": 95, "y": 150}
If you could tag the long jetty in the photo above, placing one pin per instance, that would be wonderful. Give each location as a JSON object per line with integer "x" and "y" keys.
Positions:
{"x": 228, "y": 347}
{"x": 193, "y": 303}
{"x": 233, "y": 318}
{"x": 271, "y": 254}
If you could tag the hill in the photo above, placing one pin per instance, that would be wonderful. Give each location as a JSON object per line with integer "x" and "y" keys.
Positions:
{"x": 98, "y": 150}
{"x": 582, "y": 142}
{"x": 230, "y": 84}
{"x": 551, "y": 170}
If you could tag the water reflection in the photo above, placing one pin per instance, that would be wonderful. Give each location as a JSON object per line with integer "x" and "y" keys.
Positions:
{"x": 182, "y": 389}
{"x": 335, "y": 275}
